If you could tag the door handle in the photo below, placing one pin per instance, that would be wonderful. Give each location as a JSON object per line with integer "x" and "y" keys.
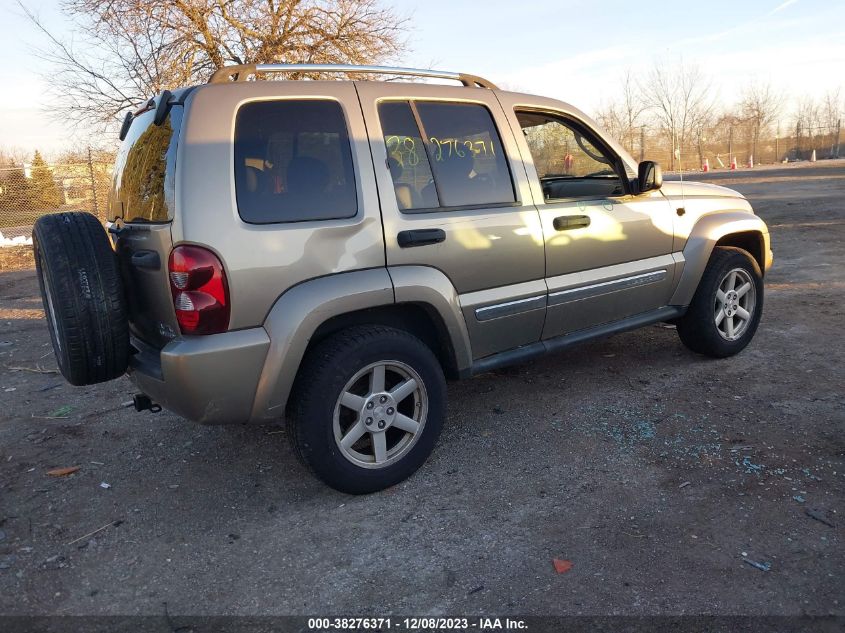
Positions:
{"x": 420, "y": 237}
{"x": 568, "y": 222}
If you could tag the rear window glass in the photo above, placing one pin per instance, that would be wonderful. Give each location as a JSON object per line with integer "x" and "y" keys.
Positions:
{"x": 144, "y": 176}
{"x": 293, "y": 162}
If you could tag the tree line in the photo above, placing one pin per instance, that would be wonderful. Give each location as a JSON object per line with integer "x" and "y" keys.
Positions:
{"x": 673, "y": 110}
{"x": 35, "y": 191}
{"x": 124, "y": 51}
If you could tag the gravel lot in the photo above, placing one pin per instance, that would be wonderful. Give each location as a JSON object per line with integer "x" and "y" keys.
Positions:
{"x": 655, "y": 472}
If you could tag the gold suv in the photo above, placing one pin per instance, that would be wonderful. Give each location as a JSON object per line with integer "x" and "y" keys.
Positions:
{"x": 328, "y": 252}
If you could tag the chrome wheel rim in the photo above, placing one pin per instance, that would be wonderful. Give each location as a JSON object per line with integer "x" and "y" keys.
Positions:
{"x": 380, "y": 414}
{"x": 736, "y": 299}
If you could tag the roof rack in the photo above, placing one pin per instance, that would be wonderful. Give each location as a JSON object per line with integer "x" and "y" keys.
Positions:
{"x": 242, "y": 72}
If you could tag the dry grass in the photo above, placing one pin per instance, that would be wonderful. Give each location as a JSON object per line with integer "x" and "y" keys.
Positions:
{"x": 16, "y": 258}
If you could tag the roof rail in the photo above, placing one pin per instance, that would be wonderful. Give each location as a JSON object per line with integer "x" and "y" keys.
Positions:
{"x": 243, "y": 71}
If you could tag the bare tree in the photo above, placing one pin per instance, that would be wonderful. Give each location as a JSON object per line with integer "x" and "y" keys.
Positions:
{"x": 680, "y": 99}
{"x": 124, "y": 51}
{"x": 831, "y": 116}
{"x": 760, "y": 107}
{"x": 807, "y": 120}
{"x": 830, "y": 108}
{"x": 622, "y": 117}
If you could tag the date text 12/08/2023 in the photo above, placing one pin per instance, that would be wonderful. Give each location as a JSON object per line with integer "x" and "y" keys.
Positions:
{"x": 416, "y": 624}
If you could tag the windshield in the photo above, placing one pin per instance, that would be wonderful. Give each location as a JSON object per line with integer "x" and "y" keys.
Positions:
{"x": 144, "y": 188}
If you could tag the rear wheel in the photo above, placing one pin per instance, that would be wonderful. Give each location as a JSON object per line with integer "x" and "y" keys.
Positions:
{"x": 83, "y": 297}
{"x": 727, "y": 306}
{"x": 367, "y": 408}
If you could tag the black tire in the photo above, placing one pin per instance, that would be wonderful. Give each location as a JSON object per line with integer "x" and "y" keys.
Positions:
{"x": 83, "y": 297}
{"x": 697, "y": 328}
{"x": 325, "y": 372}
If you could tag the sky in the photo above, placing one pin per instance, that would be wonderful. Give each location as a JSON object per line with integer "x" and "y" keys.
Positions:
{"x": 571, "y": 50}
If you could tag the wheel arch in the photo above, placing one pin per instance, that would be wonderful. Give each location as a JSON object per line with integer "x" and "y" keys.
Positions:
{"x": 419, "y": 319}
{"x": 751, "y": 241}
{"x": 416, "y": 301}
{"x": 734, "y": 228}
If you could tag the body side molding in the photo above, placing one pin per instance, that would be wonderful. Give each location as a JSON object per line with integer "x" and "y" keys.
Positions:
{"x": 606, "y": 287}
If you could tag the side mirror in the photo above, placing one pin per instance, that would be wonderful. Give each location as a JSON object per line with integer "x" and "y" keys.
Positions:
{"x": 649, "y": 176}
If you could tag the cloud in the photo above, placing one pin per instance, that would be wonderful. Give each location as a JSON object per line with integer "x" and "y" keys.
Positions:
{"x": 782, "y": 6}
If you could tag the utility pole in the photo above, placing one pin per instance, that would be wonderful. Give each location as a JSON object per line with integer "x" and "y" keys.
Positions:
{"x": 777, "y": 139}
{"x": 93, "y": 183}
{"x": 838, "y": 132}
{"x": 798, "y": 140}
{"x": 700, "y": 149}
{"x": 731, "y": 145}
{"x": 642, "y": 143}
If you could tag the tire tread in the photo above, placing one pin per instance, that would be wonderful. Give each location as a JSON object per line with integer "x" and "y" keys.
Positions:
{"x": 322, "y": 365}
{"x": 94, "y": 331}
{"x": 696, "y": 328}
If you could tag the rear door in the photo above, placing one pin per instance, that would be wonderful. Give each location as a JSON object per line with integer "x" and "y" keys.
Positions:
{"x": 455, "y": 196}
{"x": 141, "y": 207}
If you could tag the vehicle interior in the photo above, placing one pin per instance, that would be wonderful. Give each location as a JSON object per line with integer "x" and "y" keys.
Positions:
{"x": 569, "y": 162}
{"x": 293, "y": 162}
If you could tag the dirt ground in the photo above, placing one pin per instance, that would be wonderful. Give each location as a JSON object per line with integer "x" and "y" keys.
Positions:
{"x": 667, "y": 479}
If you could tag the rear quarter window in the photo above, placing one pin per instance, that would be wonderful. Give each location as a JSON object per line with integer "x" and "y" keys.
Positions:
{"x": 293, "y": 162}
{"x": 144, "y": 176}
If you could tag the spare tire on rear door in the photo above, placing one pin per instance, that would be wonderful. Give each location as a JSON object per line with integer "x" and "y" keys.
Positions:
{"x": 83, "y": 297}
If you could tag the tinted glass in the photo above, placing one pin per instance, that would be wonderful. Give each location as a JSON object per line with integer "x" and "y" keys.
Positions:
{"x": 144, "y": 189}
{"x": 293, "y": 162}
{"x": 569, "y": 162}
{"x": 406, "y": 157}
{"x": 467, "y": 157}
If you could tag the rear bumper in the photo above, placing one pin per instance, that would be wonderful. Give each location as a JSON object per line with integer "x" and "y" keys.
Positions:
{"x": 208, "y": 379}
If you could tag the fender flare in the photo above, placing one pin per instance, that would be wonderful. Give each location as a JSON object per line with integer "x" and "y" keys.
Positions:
{"x": 429, "y": 286}
{"x": 300, "y": 311}
{"x": 704, "y": 235}
{"x": 294, "y": 318}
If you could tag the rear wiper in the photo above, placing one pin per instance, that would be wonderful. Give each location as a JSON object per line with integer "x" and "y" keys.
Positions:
{"x": 161, "y": 111}
{"x": 124, "y": 127}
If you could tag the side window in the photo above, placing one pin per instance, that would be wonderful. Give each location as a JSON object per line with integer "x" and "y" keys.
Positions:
{"x": 293, "y": 162}
{"x": 569, "y": 163}
{"x": 407, "y": 157}
{"x": 461, "y": 161}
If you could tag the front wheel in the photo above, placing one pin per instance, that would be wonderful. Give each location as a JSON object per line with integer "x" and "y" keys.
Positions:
{"x": 727, "y": 306}
{"x": 367, "y": 408}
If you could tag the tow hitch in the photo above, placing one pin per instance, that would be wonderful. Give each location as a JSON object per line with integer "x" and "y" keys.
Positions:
{"x": 142, "y": 402}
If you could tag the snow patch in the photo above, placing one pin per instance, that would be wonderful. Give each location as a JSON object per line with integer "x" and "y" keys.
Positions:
{"x": 20, "y": 240}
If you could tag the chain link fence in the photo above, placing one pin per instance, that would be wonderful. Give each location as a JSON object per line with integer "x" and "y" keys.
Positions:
{"x": 29, "y": 191}
{"x": 719, "y": 146}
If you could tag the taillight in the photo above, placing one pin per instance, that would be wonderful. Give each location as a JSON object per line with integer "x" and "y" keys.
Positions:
{"x": 199, "y": 289}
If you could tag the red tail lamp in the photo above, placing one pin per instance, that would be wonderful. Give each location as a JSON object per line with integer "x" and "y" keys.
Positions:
{"x": 199, "y": 289}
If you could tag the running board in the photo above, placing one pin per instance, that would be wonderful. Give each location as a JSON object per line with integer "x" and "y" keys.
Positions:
{"x": 541, "y": 348}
